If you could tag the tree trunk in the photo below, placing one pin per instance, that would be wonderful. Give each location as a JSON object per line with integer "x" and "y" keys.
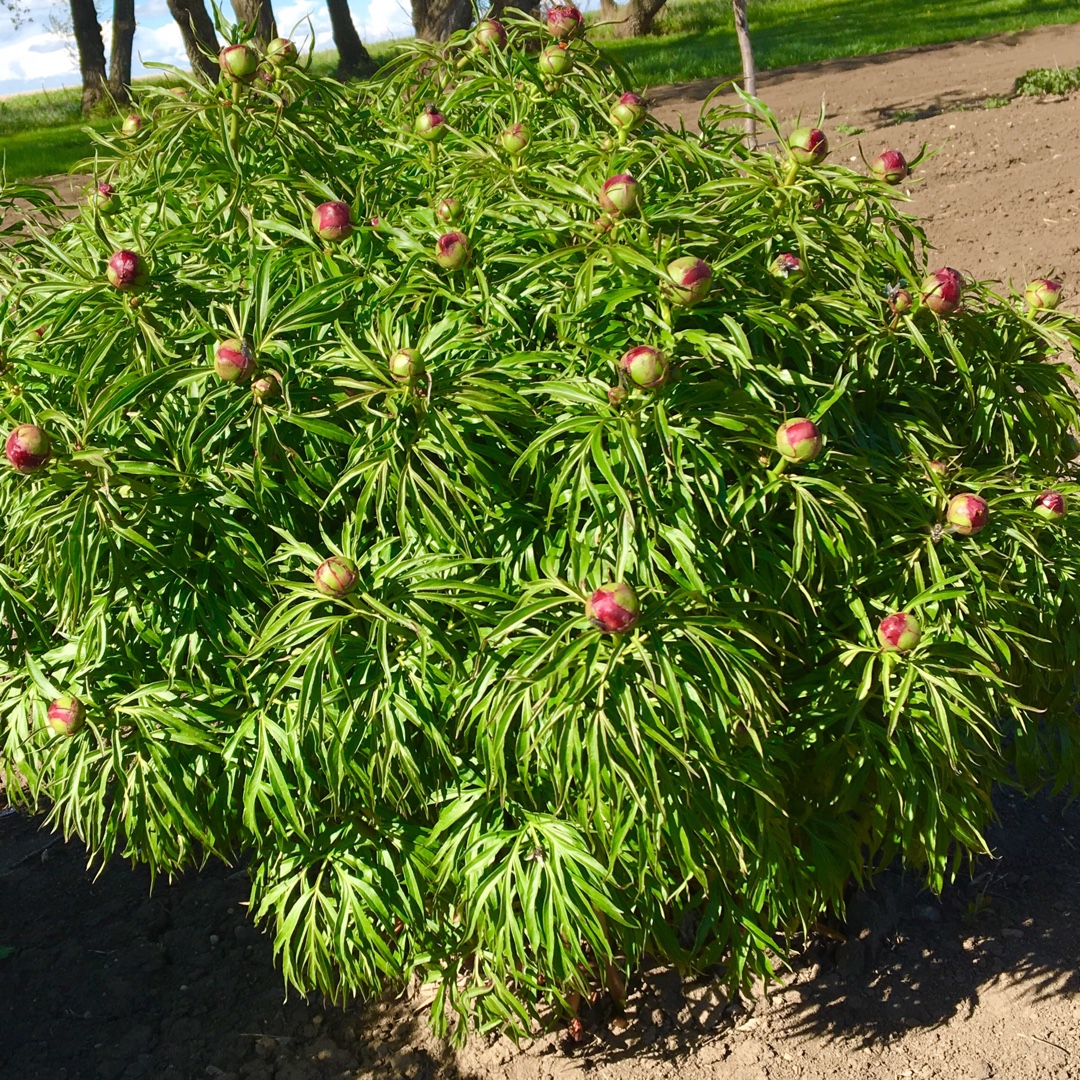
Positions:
{"x": 515, "y": 7}
{"x": 353, "y": 59}
{"x": 633, "y": 19}
{"x": 749, "y": 71}
{"x": 200, "y": 38}
{"x": 123, "y": 33}
{"x": 87, "y": 29}
{"x": 261, "y": 13}
{"x": 436, "y": 20}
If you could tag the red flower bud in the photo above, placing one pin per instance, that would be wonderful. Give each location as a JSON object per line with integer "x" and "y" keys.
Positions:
{"x": 555, "y": 60}
{"x": 1043, "y": 294}
{"x": 452, "y": 250}
{"x": 406, "y": 365}
{"x": 430, "y": 125}
{"x": 628, "y": 112}
{"x": 27, "y": 448}
{"x": 1050, "y": 505}
{"x": 490, "y": 33}
{"x": 942, "y": 290}
{"x": 132, "y": 125}
{"x": 787, "y": 266}
{"x": 332, "y": 220}
{"x": 565, "y": 22}
{"x": 66, "y": 715}
{"x": 613, "y": 608}
{"x": 448, "y": 209}
{"x": 127, "y": 271}
{"x": 808, "y": 146}
{"x": 899, "y": 632}
{"x": 890, "y": 167}
{"x": 515, "y": 138}
{"x": 799, "y": 440}
{"x": 234, "y": 360}
{"x": 689, "y": 281}
{"x": 336, "y": 577}
{"x": 281, "y": 52}
{"x": 968, "y": 514}
{"x": 238, "y": 63}
{"x": 620, "y": 194}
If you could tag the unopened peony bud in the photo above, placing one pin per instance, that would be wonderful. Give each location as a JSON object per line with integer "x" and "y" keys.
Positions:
{"x": 1043, "y": 294}
{"x": 565, "y": 22}
{"x": 126, "y": 271}
{"x": 620, "y": 194}
{"x": 890, "y": 167}
{"x": 265, "y": 388}
{"x": 452, "y": 250}
{"x": 490, "y": 34}
{"x": 66, "y": 715}
{"x": 617, "y": 395}
{"x": 448, "y": 210}
{"x": 332, "y": 220}
{"x": 968, "y": 514}
{"x": 238, "y": 63}
{"x": 281, "y": 52}
{"x": 234, "y": 360}
{"x": 336, "y": 577}
{"x": 808, "y": 146}
{"x": 406, "y": 365}
{"x": 787, "y": 266}
{"x": 899, "y": 300}
{"x": 132, "y": 125}
{"x": 899, "y": 632}
{"x": 628, "y": 112}
{"x": 430, "y": 125}
{"x": 613, "y": 608}
{"x": 515, "y": 138}
{"x": 27, "y": 448}
{"x": 555, "y": 60}
{"x": 645, "y": 366}
{"x": 688, "y": 282}
{"x": 106, "y": 198}
{"x": 1050, "y": 505}
{"x": 942, "y": 290}
{"x": 799, "y": 440}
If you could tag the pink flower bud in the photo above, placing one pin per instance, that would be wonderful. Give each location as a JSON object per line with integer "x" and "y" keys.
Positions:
{"x": 555, "y": 60}
{"x": 617, "y": 395}
{"x": 942, "y": 290}
{"x": 106, "y": 198}
{"x": 620, "y": 194}
{"x": 489, "y": 34}
{"x": 234, "y": 361}
{"x": 452, "y": 250}
{"x": 332, "y": 220}
{"x": 565, "y": 22}
{"x": 27, "y": 448}
{"x": 430, "y": 125}
{"x": 938, "y": 468}
{"x": 968, "y": 514}
{"x": 799, "y": 440}
{"x": 689, "y": 281}
{"x": 127, "y": 271}
{"x": 265, "y": 388}
{"x": 899, "y": 300}
{"x": 238, "y": 63}
{"x": 787, "y": 266}
{"x": 66, "y": 715}
{"x": 1050, "y": 505}
{"x": 1043, "y": 294}
{"x": 132, "y": 125}
{"x": 628, "y": 112}
{"x": 890, "y": 167}
{"x": 281, "y": 52}
{"x": 899, "y": 632}
{"x": 645, "y": 367}
{"x": 336, "y": 577}
{"x": 613, "y": 608}
{"x": 808, "y": 146}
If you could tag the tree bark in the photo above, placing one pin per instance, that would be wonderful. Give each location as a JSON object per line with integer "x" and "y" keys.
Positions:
{"x": 436, "y": 20}
{"x": 200, "y": 38}
{"x": 632, "y": 19}
{"x": 353, "y": 59}
{"x": 516, "y": 7}
{"x": 261, "y": 13}
{"x": 123, "y": 34}
{"x": 742, "y": 31}
{"x": 87, "y": 29}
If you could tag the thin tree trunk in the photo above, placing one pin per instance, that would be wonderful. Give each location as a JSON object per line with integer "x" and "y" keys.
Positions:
{"x": 123, "y": 34}
{"x": 436, "y": 20}
{"x": 261, "y": 13}
{"x": 200, "y": 38}
{"x": 633, "y": 19}
{"x": 742, "y": 31}
{"x": 353, "y": 59}
{"x": 84, "y": 22}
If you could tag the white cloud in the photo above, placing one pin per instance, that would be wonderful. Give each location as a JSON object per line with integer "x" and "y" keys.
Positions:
{"x": 384, "y": 19}
{"x": 33, "y": 55}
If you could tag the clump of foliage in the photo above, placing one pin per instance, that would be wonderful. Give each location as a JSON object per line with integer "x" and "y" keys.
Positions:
{"x": 1055, "y": 80}
{"x": 591, "y": 540}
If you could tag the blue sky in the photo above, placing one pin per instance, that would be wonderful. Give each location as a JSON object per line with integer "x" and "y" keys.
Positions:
{"x": 34, "y": 56}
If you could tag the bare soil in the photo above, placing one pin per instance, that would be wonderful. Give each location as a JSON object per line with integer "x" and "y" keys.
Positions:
{"x": 105, "y": 980}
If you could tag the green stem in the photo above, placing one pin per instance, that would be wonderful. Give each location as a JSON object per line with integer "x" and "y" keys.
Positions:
{"x": 234, "y": 120}
{"x": 778, "y": 468}
{"x": 790, "y": 173}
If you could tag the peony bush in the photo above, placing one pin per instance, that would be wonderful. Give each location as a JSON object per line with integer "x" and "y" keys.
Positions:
{"x": 531, "y": 536}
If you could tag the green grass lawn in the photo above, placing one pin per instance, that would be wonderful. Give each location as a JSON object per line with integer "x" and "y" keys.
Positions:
{"x": 40, "y": 133}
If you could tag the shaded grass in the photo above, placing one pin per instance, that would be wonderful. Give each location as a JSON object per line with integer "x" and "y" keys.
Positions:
{"x": 697, "y": 37}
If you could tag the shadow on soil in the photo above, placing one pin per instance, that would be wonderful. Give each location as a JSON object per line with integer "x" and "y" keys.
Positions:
{"x": 111, "y": 983}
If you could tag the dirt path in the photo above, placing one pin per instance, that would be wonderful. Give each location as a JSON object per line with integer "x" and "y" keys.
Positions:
{"x": 108, "y": 983}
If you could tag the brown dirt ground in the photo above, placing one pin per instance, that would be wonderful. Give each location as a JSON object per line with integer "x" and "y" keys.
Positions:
{"x": 109, "y": 981}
